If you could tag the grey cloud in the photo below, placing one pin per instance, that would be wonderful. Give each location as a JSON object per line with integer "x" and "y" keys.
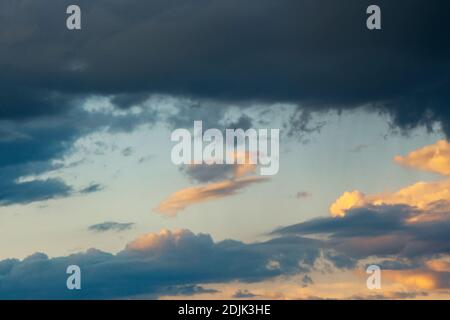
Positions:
{"x": 127, "y": 151}
{"x": 37, "y": 142}
{"x": 244, "y": 294}
{"x": 303, "y": 194}
{"x": 31, "y": 191}
{"x": 156, "y": 269}
{"x": 257, "y": 52}
{"x": 188, "y": 290}
{"x": 306, "y": 281}
{"x": 315, "y": 53}
{"x": 379, "y": 231}
{"x": 94, "y": 187}
{"x": 208, "y": 173}
{"x": 110, "y": 226}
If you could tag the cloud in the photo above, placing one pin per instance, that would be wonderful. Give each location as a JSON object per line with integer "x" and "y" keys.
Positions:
{"x": 271, "y": 58}
{"x": 274, "y": 55}
{"x": 419, "y": 279}
{"x": 93, "y": 187}
{"x": 379, "y": 231}
{"x": 40, "y": 143}
{"x": 359, "y": 148}
{"x": 189, "y": 290}
{"x": 433, "y": 158}
{"x": 180, "y": 200}
{"x": 412, "y": 223}
{"x": 110, "y": 226}
{"x": 244, "y": 294}
{"x": 440, "y": 265}
{"x": 402, "y": 295}
{"x": 347, "y": 201}
{"x": 306, "y": 281}
{"x": 303, "y": 194}
{"x": 208, "y": 173}
{"x": 155, "y": 264}
{"x": 31, "y": 191}
{"x": 127, "y": 151}
{"x": 433, "y": 198}
{"x": 229, "y": 180}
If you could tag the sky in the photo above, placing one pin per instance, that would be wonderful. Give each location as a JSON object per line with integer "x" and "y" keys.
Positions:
{"x": 87, "y": 178}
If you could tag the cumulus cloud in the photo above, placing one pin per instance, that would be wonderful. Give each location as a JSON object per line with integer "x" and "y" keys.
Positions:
{"x": 433, "y": 158}
{"x": 380, "y": 230}
{"x": 347, "y": 201}
{"x": 410, "y": 225}
{"x": 433, "y": 198}
{"x": 420, "y": 250}
{"x": 158, "y": 264}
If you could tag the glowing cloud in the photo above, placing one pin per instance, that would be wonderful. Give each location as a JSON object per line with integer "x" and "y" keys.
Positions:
{"x": 433, "y": 158}
{"x": 421, "y": 195}
{"x": 181, "y": 199}
{"x": 241, "y": 177}
{"x": 155, "y": 241}
{"x": 347, "y": 201}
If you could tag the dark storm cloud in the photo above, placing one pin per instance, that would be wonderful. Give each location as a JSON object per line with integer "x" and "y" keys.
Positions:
{"x": 157, "y": 264}
{"x": 110, "y": 226}
{"x": 316, "y": 53}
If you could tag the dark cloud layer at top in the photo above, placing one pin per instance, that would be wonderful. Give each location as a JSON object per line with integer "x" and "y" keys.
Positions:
{"x": 317, "y": 53}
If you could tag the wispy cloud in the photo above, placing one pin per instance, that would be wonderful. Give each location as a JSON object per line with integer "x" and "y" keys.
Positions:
{"x": 236, "y": 177}
{"x": 110, "y": 226}
{"x": 93, "y": 187}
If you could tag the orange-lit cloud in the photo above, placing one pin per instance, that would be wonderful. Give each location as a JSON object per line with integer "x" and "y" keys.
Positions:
{"x": 421, "y": 195}
{"x": 181, "y": 199}
{"x": 439, "y": 265}
{"x": 242, "y": 177}
{"x": 347, "y": 201}
{"x": 157, "y": 240}
{"x": 413, "y": 279}
{"x": 433, "y": 158}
